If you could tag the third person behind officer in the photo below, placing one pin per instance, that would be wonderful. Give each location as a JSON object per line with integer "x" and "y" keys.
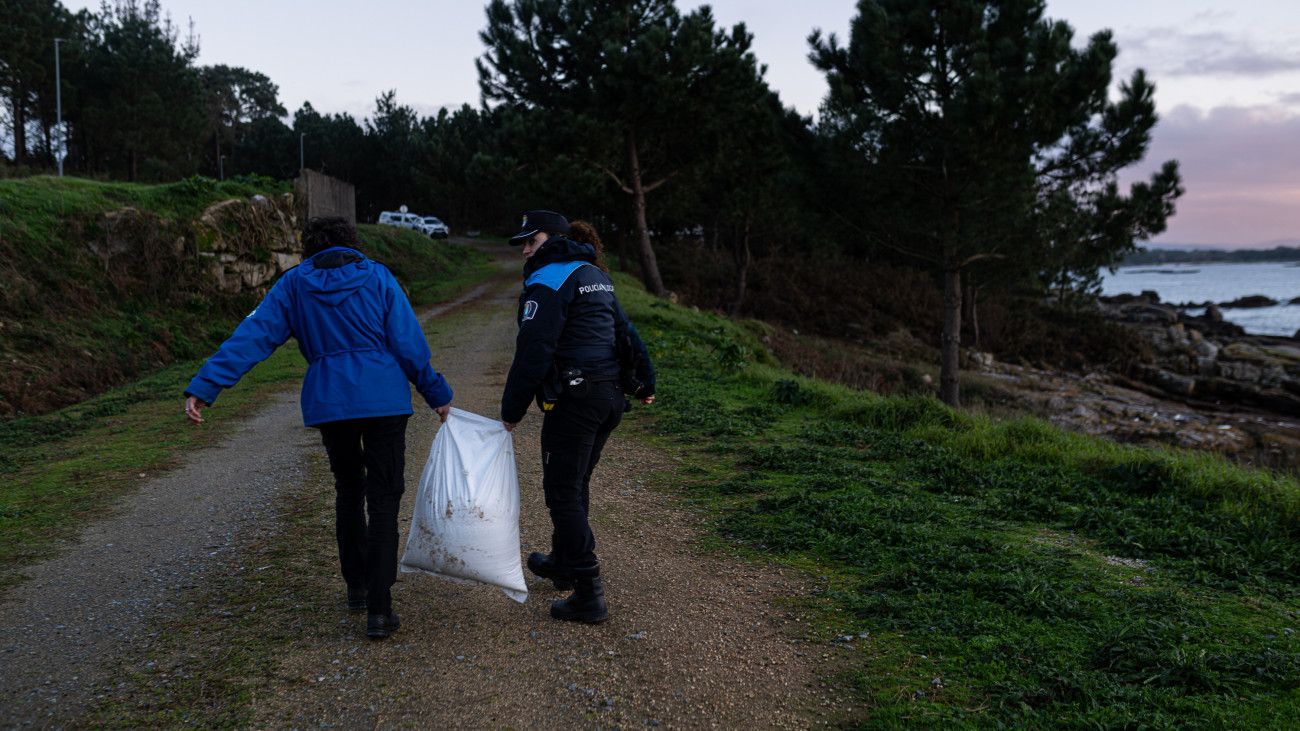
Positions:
{"x": 577, "y": 354}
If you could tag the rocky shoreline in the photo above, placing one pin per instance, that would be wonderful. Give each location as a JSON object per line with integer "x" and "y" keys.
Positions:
{"x": 1210, "y": 387}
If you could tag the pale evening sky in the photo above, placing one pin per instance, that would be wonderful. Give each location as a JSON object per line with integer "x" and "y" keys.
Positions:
{"x": 1227, "y": 75}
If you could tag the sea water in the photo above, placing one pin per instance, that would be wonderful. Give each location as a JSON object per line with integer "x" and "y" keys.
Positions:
{"x": 1179, "y": 284}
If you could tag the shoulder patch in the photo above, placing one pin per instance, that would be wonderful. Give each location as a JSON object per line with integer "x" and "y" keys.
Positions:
{"x": 530, "y": 310}
{"x": 553, "y": 276}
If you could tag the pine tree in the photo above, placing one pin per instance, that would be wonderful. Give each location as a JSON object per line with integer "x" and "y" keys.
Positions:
{"x": 144, "y": 104}
{"x": 27, "y": 79}
{"x": 628, "y": 87}
{"x": 979, "y": 119}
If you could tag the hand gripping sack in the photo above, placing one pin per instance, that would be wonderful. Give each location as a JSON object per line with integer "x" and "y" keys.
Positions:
{"x": 466, "y": 521}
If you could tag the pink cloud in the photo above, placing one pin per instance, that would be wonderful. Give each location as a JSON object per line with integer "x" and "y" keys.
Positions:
{"x": 1241, "y": 170}
{"x": 1169, "y": 52}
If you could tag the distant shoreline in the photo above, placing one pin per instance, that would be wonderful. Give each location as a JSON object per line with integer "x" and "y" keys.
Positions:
{"x": 1149, "y": 257}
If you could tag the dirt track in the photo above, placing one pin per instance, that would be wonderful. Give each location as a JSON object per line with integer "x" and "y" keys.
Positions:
{"x": 694, "y": 639}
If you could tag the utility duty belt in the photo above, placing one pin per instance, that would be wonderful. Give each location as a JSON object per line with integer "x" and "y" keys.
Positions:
{"x": 569, "y": 380}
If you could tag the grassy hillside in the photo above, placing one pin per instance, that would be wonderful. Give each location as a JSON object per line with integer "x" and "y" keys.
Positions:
{"x": 987, "y": 573}
{"x": 77, "y": 317}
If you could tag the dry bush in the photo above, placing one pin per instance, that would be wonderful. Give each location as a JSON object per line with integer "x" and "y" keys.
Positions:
{"x": 896, "y": 313}
{"x": 831, "y": 296}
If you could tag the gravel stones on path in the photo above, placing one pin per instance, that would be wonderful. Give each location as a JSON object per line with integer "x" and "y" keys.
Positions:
{"x": 60, "y": 629}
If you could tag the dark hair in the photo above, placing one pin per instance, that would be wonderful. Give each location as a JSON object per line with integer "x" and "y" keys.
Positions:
{"x": 326, "y": 232}
{"x": 585, "y": 233}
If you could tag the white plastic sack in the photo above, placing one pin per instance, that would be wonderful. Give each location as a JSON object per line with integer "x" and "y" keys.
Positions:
{"x": 466, "y": 522}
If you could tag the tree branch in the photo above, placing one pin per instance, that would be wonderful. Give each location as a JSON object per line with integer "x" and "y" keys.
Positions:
{"x": 612, "y": 175}
{"x": 978, "y": 257}
{"x": 659, "y": 182}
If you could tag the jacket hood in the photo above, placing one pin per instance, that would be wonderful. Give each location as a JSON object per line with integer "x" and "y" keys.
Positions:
{"x": 335, "y": 274}
{"x": 559, "y": 249}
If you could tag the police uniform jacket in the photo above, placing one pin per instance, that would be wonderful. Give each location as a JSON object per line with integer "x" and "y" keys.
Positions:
{"x": 354, "y": 326}
{"x": 568, "y": 317}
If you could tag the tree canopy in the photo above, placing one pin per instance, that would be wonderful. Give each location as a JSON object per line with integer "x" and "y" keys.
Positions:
{"x": 989, "y": 137}
{"x": 630, "y": 87}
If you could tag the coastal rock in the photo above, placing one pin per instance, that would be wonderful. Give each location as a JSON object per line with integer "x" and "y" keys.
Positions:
{"x": 1170, "y": 382}
{"x": 1114, "y": 407}
{"x": 1254, "y": 300}
{"x": 1141, "y": 312}
{"x": 1249, "y": 371}
{"x": 1210, "y": 361}
{"x": 1148, "y": 297}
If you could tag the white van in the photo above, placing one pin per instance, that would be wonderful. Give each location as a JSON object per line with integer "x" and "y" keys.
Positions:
{"x": 405, "y": 220}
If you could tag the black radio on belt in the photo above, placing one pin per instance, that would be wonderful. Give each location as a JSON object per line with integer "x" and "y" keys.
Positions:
{"x": 573, "y": 382}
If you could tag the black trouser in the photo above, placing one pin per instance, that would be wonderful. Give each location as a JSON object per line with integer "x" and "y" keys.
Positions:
{"x": 573, "y": 434}
{"x": 368, "y": 459}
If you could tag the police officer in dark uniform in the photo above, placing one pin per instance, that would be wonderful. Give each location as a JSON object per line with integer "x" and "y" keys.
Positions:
{"x": 576, "y": 354}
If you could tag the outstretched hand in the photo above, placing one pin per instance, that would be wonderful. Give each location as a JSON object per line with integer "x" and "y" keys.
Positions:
{"x": 194, "y": 407}
{"x": 648, "y": 400}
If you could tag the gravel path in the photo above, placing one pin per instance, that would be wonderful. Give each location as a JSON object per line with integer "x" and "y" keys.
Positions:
{"x": 97, "y": 599}
{"x": 694, "y": 639}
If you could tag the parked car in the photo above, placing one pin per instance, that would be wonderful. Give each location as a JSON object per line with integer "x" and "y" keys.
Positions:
{"x": 436, "y": 228}
{"x": 405, "y": 220}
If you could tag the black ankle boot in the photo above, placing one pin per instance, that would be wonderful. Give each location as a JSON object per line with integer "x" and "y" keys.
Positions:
{"x": 379, "y": 626}
{"x": 588, "y": 601}
{"x": 548, "y": 568}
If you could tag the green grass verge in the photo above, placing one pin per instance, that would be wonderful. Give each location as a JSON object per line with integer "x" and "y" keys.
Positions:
{"x": 986, "y": 573}
{"x": 59, "y": 470}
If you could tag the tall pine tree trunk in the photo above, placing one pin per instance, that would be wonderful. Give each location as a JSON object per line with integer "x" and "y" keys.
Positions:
{"x": 950, "y": 365}
{"x": 742, "y": 258}
{"x": 649, "y": 265}
{"x": 20, "y": 126}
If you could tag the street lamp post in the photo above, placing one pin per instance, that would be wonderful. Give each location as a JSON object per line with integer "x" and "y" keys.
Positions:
{"x": 58, "y": 101}
{"x": 302, "y": 165}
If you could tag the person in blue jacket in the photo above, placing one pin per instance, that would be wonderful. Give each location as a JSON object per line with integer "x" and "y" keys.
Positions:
{"x": 574, "y": 339}
{"x": 362, "y": 344}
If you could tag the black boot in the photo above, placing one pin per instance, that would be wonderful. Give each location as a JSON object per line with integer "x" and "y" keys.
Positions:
{"x": 379, "y": 626}
{"x": 587, "y": 604}
{"x": 548, "y": 568}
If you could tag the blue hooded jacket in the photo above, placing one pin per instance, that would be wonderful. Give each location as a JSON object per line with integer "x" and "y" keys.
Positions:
{"x": 354, "y": 326}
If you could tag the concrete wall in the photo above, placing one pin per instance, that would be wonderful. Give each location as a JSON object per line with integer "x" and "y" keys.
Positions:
{"x": 326, "y": 196}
